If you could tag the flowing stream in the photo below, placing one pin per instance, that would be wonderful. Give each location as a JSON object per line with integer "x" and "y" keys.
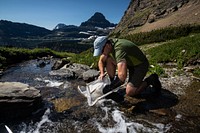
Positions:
{"x": 66, "y": 111}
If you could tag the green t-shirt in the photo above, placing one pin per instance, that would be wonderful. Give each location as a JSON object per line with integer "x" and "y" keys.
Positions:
{"x": 125, "y": 49}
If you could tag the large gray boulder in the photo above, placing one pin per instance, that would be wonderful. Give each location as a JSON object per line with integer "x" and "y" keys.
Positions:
{"x": 71, "y": 71}
{"x": 90, "y": 75}
{"x": 75, "y": 71}
{"x": 18, "y": 100}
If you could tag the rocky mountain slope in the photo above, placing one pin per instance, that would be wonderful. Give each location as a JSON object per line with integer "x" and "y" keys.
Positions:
{"x": 147, "y": 15}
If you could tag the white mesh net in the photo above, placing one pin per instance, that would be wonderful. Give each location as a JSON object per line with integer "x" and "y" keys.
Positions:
{"x": 93, "y": 90}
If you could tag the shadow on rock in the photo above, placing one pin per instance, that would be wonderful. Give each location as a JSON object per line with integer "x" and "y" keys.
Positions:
{"x": 149, "y": 100}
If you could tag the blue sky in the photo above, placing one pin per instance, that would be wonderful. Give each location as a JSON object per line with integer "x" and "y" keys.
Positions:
{"x": 48, "y": 13}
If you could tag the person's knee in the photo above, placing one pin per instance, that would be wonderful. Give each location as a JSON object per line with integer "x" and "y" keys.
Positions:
{"x": 130, "y": 90}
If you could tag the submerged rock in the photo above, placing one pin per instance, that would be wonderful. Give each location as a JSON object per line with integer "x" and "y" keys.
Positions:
{"x": 18, "y": 100}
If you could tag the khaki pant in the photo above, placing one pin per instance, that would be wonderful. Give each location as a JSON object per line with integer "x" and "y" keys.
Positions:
{"x": 137, "y": 73}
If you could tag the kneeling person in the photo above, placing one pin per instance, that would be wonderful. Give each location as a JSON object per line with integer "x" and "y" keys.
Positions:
{"x": 125, "y": 56}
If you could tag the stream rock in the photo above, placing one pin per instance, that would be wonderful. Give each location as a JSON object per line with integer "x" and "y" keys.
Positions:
{"x": 90, "y": 75}
{"x": 59, "y": 64}
{"x": 75, "y": 71}
{"x": 18, "y": 100}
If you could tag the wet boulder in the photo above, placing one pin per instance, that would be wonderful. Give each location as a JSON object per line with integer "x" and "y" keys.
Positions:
{"x": 62, "y": 73}
{"x": 18, "y": 100}
{"x": 78, "y": 69}
{"x": 71, "y": 71}
{"x": 90, "y": 75}
{"x": 60, "y": 63}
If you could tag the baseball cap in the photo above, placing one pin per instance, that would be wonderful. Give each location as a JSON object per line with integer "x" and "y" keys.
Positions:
{"x": 99, "y": 44}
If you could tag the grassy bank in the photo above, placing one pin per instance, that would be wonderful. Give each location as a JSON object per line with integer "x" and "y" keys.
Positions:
{"x": 9, "y": 56}
{"x": 183, "y": 51}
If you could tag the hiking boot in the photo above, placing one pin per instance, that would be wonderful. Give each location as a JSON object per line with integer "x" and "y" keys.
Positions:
{"x": 154, "y": 81}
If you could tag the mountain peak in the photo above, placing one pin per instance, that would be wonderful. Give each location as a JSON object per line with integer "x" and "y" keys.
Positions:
{"x": 98, "y": 16}
{"x": 97, "y": 20}
{"x": 60, "y": 26}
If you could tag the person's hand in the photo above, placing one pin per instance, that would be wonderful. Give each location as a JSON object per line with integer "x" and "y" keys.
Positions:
{"x": 114, "y": 84}
{"x": 101, "y": 76}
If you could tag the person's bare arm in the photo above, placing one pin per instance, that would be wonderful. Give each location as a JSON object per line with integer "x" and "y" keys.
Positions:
{"x": 101, "y": 66}
{"x": 122, "y": 70}
{"x": 120, "y": 79}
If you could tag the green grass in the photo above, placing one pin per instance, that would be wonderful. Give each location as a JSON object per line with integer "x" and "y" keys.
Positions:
{"x": 86, "y": 58}
{"x": 9, "y": 56}
{"x": 179, "y": 51}
{"x": 197, "y": 72}
{"x": 156, "y": 69}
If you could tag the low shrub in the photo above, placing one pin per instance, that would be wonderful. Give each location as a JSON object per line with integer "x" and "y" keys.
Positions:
{"x": 162, "y": 35}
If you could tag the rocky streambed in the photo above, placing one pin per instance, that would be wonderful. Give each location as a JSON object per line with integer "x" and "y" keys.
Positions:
{"x": 176, "y": 109}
